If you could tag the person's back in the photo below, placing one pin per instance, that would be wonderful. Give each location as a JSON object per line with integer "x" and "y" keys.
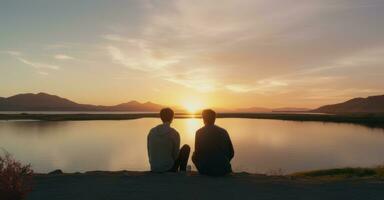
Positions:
{"x": 163, "y": 143}
{"x": 213, "y": 149}
{"x": 163, "y": 147}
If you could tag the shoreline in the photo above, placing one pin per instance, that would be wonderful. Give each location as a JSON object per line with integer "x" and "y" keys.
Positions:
{"x": 369, "y": 120}
{"x": 342, "y": 173}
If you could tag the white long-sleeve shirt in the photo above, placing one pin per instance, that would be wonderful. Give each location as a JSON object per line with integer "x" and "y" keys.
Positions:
{"x": 163, "y": 143}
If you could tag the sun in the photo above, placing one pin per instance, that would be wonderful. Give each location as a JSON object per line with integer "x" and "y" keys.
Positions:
{"x": 192, "y": 106}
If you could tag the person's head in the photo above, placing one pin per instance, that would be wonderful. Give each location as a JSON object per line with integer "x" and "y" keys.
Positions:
{"x": 166, "y": 115}
{"x": 209, "y": 117}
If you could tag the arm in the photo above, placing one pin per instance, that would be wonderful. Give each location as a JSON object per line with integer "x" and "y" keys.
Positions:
{"x": 197, "y": 148}
{"x": 176, "y": 147}
{"x": 230, "y": 151}
{"x": 148, "y": 145}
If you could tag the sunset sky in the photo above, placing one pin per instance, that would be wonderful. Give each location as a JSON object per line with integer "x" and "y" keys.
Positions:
{"x": 239, "y": 53}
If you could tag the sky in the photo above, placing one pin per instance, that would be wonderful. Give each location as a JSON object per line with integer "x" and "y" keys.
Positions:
{"x": 217, "y": 53}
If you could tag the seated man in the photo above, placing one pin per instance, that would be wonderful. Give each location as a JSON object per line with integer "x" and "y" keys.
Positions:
{"x": 213, "y": 148}
{"x": 163, "y": 145}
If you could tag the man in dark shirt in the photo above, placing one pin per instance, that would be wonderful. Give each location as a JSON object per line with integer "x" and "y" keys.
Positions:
{"x": 213, "y": 148}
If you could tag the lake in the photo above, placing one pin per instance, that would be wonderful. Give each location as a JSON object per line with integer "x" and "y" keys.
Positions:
{"x": 261, "y": 145}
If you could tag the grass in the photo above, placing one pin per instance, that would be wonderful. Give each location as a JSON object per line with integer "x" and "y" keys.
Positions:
{"x": 348, "y": 172}
{"x": 15, "y": 178}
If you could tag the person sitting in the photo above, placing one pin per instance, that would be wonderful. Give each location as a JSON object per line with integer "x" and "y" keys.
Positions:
{"x": 213, "y": 147}
{"x": 163, "y": 143}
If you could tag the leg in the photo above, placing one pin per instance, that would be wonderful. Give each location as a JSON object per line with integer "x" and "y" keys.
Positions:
{"x": 184, "y": 156}
{"x": 182, "y": 160}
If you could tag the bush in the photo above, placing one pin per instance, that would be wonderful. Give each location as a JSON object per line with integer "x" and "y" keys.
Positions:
{"x": 15, "y": 178}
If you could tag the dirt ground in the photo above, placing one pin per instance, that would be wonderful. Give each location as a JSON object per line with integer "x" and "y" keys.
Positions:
{"x": 145, "y": 185}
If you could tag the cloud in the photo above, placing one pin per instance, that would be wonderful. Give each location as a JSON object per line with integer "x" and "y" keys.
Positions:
{"x": 38, "y": 65}
{"x": 197, "y": 79}
{"x": 138, "y": 57}
{"x": 43, "y": 73}
{"x": 240, "y": 88}
{"x": 114, "y": 38}
{"x": 61, "y": 45}
{"x": 63, "y": 57}
{"x": 12, "y": 53}
{"x": 367, "y": 57}
{"x": 271, "y": 47}
{"x": 141, "y": 56}
{"x": 120, "y": 58}
{"x": 262, "y": 86}
{"x": 266, "y": 39}
{"x": 198, "y": 85}
{"x": 272, "y": 83}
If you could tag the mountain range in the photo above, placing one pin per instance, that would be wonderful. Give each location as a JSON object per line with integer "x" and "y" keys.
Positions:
{"x": 372, "y": 104}
{"x": 47, "y": 102}
{"x": 266, "y": 110}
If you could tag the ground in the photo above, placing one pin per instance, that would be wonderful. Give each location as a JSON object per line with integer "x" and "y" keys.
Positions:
{"x": 145, "y": 185}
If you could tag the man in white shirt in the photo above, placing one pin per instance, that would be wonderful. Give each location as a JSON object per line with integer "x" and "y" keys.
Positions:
{"x": 163, "y": 143}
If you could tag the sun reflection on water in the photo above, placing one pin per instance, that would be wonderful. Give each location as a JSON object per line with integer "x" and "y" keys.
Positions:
{"x": 191, "y": 126}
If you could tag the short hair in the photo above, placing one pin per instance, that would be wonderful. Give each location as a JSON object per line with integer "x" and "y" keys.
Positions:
{"x": 209, "y": 116}
{"x": 166, "y": 114}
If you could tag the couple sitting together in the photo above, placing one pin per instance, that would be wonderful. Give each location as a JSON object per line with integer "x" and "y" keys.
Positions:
{"x": 213, "y": 147}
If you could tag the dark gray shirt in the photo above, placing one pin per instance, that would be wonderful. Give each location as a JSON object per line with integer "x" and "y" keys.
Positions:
{"x": 213, "y": 150}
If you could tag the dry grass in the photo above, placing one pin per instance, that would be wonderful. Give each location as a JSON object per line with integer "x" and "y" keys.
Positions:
{"x": 15, "y": 178}
{"x": 348, "y": 172}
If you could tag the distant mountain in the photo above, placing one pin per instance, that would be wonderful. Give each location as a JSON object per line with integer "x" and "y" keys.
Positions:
{"x": 265, "y": 110}
{"x": 290, "y": 109}
{"x": 254, "y": 109}
{"x": 372, "y": 104}
{"x": 135, "y": 106}
{"x": 47, "y": 102}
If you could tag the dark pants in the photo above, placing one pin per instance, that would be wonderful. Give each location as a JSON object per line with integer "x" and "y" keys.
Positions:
{"x": 182, "y": 160}
{"x": 215, "y": 166}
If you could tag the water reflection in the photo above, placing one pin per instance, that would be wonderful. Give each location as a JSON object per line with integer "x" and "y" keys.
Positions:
{"x": 260, "y": 145}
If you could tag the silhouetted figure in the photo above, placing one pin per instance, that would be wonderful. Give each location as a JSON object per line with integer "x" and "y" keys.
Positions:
{"x": 163, "y": 143}
{"x": 213, "y": 148}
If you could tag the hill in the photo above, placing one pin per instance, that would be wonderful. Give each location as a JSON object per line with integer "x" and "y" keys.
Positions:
{"x": 372, "y": 104}
{"x": 267, "y": 110}
{"x": 254, "y": 110}
{"x": 47, "y": 102}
